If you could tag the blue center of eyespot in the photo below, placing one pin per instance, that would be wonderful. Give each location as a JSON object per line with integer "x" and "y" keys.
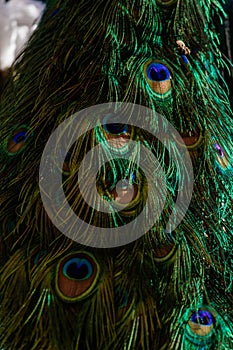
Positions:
{"x": 157, "y": 72}
{"x": 20, "y": 137}
{"x": 202, "y": 317}
{"x": 185, "y": 60}
{"x": 114, "y": 128}
{"x": 78, "y": 268}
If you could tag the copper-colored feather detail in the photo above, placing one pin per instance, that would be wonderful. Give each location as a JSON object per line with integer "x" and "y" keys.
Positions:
{"x": 76, "y": 276}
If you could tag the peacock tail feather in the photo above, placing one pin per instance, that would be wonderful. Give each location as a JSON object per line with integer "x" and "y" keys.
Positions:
{"x": 166, "y": 289}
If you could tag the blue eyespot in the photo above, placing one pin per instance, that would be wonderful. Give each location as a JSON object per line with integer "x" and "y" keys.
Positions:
{"x": 157, "y": 72}
{"x": 77, "y": 269}
{"x": 114, "y": 128}
{"x": 200, "y": 329}
{"x": 17, "y": 141}
{"x": 21, "y": 136}
{"x": 202, "y": 317}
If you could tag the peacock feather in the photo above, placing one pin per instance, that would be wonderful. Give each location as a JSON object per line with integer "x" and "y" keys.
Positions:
{"x": 164, "y": 289}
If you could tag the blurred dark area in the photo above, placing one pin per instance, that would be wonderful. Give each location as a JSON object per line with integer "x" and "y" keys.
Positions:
{"x": 3, "y": 78}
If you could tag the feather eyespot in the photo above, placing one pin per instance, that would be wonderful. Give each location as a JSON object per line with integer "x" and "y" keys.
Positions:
{"x": 158, "y": 77}
{"x": 157, "y": 72}
{"x": 123, "y": 190}
{"x": 77, "y": 269}
{"x": 116, "y": 134}
{"x": 201, "y": 322}
{"x": 76, "y": 276}
{"x": 165, "y": 254}
{"x": 192, "y": 139}
{"x": 203, "y": 317}
{"x": 112, "y": 127}
{"x": 17, "y": 141}
{"x": 164, "y": 250}
{"x": 200, "y": 326}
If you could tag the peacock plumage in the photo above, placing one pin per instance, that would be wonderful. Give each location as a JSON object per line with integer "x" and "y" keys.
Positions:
{"x": 158, "y": 64}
